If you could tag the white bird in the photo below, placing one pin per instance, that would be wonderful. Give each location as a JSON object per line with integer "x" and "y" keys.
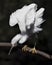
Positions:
{"x": 29, "y": 20}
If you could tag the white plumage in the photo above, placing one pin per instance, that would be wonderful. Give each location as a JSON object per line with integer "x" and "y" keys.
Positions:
{"x": 24, "y": 17}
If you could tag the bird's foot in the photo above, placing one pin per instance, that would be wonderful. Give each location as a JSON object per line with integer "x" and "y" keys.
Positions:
{"x": 32, "y": 50}
{"x": 24, "y": 48}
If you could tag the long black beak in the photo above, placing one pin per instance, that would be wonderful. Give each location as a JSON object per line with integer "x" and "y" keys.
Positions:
{"x": 10, "y": 50}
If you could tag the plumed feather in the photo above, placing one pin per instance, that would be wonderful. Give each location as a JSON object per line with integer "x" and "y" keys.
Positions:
{"x": 16, "y": 39}
{"x": 30, "y": 17}
{"x": 40, "y": 12}
{"x": 23, "y": 39}
{"x": 39, "y": 20}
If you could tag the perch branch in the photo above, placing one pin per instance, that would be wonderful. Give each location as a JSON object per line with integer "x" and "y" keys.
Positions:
{"x": 5, "y": 44}
{"x": 40, "y": 53}
{"x": 28, "y": 49}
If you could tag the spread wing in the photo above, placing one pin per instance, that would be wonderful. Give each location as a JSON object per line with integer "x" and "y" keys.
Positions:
{"x": 31, "y": 16}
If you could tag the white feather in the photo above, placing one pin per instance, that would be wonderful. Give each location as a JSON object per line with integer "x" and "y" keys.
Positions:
{"x": 39, "y": 20}
{"x": 30, "y": 17}
{"x": 36, "y": 29}
{"x": 13, "y": 20}
{"x": 40, "y": 12}
{"x": 16, "y": 39}
{"x": 23, "y": 39}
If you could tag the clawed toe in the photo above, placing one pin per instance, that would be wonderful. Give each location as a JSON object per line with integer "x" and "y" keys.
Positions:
{"x": 26, "y": 48}
{"x": 32, "y": 50}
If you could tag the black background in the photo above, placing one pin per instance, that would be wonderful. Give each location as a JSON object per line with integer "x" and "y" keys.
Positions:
{"x": 44, "y": 43}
